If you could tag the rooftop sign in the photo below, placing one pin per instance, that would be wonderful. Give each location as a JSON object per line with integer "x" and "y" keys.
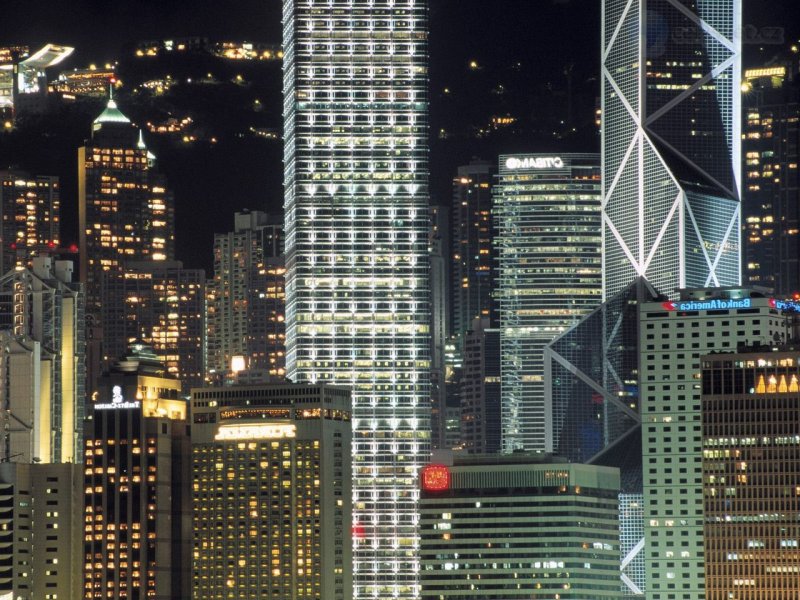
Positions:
{"x": 117, "y": 401}
{"x": 715, "y": 304}
{"x": 786, "y": 305}
{"x": 537, "y": 162}
{"x": 435, "y": 478}
{"x": 266, "y": 431}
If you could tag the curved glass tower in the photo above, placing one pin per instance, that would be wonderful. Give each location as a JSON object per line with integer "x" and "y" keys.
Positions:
{"x": 671, "y": 143}
{"x": 356, "y": 202}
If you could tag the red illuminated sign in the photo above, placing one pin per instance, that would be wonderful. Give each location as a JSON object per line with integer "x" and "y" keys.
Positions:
{"x": 435, "y": 478}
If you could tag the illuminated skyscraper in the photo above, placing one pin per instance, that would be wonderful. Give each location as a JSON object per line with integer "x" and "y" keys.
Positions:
{"x": 246, "y": 298}
{"x": 42, "y": 363}
{"x": 41, "y": 520}
{"x": 750, "y": 464}
{"x": 273, "y": 461}
{"x": 356, "y": 204}
{"x": 547, "y": 213}
{"x": 671, "y": 143}
{"x": 771, "y": 147}
{"x": 473, "y": 261}
{"x": 163, "y": 305}
{"x": 673, "y": 338}
{"x": 519, "y": 527}
{"x": 137, "y": 514}
{"x": 30, "y": 213}
{"x": 479, "y": 415}
{"x": 125, "y": 210}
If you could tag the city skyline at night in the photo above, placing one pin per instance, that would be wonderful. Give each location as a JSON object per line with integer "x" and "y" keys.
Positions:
{"x": 420, "y": 300}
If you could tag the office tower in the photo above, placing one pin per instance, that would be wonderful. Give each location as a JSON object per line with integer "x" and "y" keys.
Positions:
{"x": 162, "y": 305}
{"x": 480, "y": 389}
{"x": 563, "y": 520}
{"x": 771, "y": 148}
{"x": 671, "y": 143}
{"x": 751, "y": 473}
{"x": 592, "y": 409}
{"x": 674, "y": 335}
{"x": 473, "y": 267}
{"x": 137, "y": 515}
{"x": 438, "y": 251}
{"x": 41, "y": 527}
{"x": 271, "y": 481}
{"x": 246, "y": 298}
{"x": 125, "y": 211}
{"x": 591, "y": 388}
{"x": 446, "y": 411}
{"x": 30, "y": 217}
{"x": 547, "y": 213}
{"x": 356, "y": 204}
{"x": 42, "y": 366}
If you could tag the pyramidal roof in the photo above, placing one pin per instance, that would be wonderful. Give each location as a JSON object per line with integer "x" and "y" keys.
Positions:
{"x": 111, "y": 114}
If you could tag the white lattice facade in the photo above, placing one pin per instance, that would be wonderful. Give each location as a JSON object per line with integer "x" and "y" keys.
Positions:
{"x": 671, "y": 143}
{"x": 356, "y": 204}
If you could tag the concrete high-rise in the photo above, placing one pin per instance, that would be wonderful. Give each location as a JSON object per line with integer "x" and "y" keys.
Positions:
{"x": 42, "y": 363}
{"x": 519, "y": 527}
{"x": 671, "y": 143}
{"x": 751, "y": 473}
{"x": 163, "y": 305}
{"x": 547, "y": 214}
{"x": 472, "y": 230}
{"x": 137, "y": 515}
{"x": 30, "y": 217}
{"x": 674, "y": 335}
{"x": 41, "y": 527}
{"x": 771, "y": 148}
{"x": 479, "y": 420}
{"x": 271, "y": 481}
{"x": 246, "y": 298}
{"x": 356, "y": 209}
{"x": 125, "y": 210}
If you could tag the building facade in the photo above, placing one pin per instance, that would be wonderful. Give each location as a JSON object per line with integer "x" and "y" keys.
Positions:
{"x": 547, "y": 214}
{"x": 137, "y": 513}
{"x": 771, "y": 148}
{"x": 511, "y": 528}
{"x": 671, "y": 105}
{"x": 42, "y": 363}
{"x": 163, "y": 305}
{"x": 125, "y": 210}
{"x": 271, "y": 481}
{"x": 41, "y": 528}
{"x": 356, "y": 211}
{"x": 479, "y": 421}
{"x": 246, "y": 298}
{"x": 592, "y": 388}
{"x": 473, "y": 267}
{"x": 438, "y": 250}
{"x": 751, "y": 470}
{"x": 30, "y": 217}
{"x": 674, "y": 335}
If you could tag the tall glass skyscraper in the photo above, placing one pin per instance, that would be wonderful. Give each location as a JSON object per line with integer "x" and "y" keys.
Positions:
{"x": 671, "y": 143}
{"x": 356, "y": 203}
{"x": 547, "y": 213}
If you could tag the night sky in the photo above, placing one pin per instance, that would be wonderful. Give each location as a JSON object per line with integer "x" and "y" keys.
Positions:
{"x": 543, "y": 37}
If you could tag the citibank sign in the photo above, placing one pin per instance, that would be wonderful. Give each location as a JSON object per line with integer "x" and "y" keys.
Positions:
{"x": 539, "y": 162}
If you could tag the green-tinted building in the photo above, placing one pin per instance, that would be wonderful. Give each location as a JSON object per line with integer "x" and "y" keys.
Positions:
{"x": 519, "y": 527}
